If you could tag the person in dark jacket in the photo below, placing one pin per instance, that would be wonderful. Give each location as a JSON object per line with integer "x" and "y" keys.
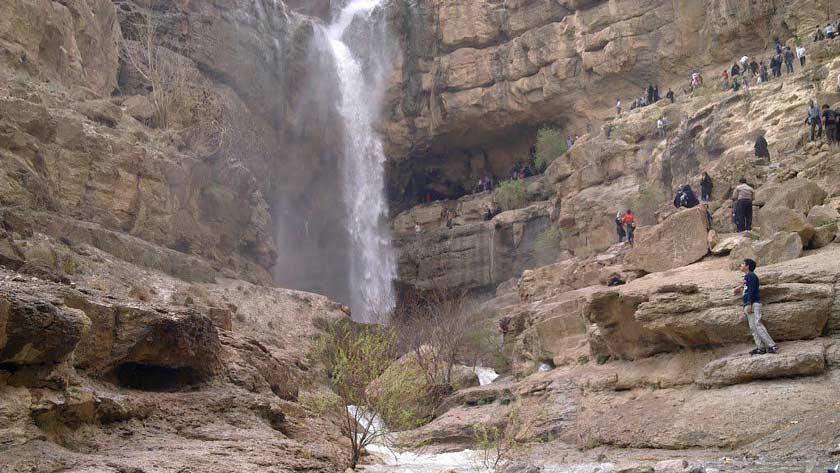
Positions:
{"x": 650, "y": 97}
{"x": 830, "y": 123}
{"x": 761, "y": 147}
{"x": 619, "y": 227}
{"x": 752, "y": 309}
{"x": 736, "y": 70}
{"x": 670, "y": 95}
{"x": 789, "y": 58}
{"x": 706, "y": 186}
{"x": 685, "y": 197}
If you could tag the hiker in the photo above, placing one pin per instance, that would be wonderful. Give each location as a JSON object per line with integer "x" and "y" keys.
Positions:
{"x": 800, "y": 53}
{"x": 670, "y": 95}
{"x": 744, "y": 63}
{"x": 725, "y": 79}
{"x": 488, "y": 213}
{"x": 814, "y": 120}
{"x": 656, "y": 97}
{"x": 761, "y": 148}
{"x": 830, "y": 32}
{"x": 619, "y": 227}
{"x": 661, "y": 125}
{"x": 488, "y": 183}
{"x": 736, "y": 70}
{"x": 819, "y": 36}
{"x": 752, "y": 309}
{"x": 618, "y": 107}
{"x": 629, "y": 225}
{"x": 776, "y": 66}
{"x": 743, "y": 198}
{"x": 789, "y": 58}
{"x": 650, "y": 97}
{"x": 830, "y": 121}
{"x": 762, "y": 72}
{"x": 753, "y": 67}
{"x": 686, "y": 198}
{"x": 479, "y": 188}
{"x": 706, "y": 186}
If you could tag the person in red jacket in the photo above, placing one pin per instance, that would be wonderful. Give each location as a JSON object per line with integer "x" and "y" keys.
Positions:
{"x": 629, "y": 225}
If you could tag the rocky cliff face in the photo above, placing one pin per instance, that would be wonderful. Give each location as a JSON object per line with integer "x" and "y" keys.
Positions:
{"x": 478, "y": 77}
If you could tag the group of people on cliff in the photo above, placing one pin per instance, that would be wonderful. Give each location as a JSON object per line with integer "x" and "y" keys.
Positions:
{"x": 823, "y": 122}
{"x": 649, "y": 97}
{"x": 749, "y": 71}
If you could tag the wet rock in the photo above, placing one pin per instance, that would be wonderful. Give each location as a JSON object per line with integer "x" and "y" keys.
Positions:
{"x": 794, "y": 359}
{"x": 678, "y": 241}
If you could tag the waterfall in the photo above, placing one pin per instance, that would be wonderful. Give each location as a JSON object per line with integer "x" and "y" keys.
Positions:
{"x": 361, "y": 74}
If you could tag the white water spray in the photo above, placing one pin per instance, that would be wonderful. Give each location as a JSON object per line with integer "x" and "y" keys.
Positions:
{"x": 372, "y": 261}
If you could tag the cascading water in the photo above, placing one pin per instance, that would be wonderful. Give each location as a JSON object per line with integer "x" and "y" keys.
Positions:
{"x": 372, "y": 262}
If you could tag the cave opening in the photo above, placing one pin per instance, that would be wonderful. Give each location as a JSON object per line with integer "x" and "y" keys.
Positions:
{"x": 156, "y": 378}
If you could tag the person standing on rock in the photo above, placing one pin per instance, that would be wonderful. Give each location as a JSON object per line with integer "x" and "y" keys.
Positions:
{"x": 629, "y": 225}
{"x": 752, "y": 310}
{"x": 814, "y": 120}
{"x": 761, "y": 147}
{"x": 788, "y": 55}
{"x": 670, "y": 95}
{"x": 619, "y": 227}
{"x": 706, "y": 186}
{"x": 618, "y": 107}
{"x": 830, "y": 122}
{"x": 800, "y": 53}
{"x": 743, "y": 199}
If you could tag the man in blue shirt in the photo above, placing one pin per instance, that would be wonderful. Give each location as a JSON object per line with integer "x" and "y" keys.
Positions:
{"x": 752, "y": 309}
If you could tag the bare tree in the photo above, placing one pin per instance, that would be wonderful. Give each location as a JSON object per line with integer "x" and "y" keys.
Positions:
{"x": 169, "y": 74}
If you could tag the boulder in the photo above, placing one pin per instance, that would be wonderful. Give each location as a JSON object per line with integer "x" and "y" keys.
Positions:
{"x": 34, "y": 331}
{"x": 797, "y": 194}
{"x": 779, "y": 247}
{"x": 795, "y": 359}
{"x": 726, "y": 243}
{"x": 10, "y": 254}
{"x": 823, "y": 236}
{"x": 141, "y": 108}
{"x": 771, "y": 220}
{"x": 822, "y": 215}
{"x": 678, "y": 241}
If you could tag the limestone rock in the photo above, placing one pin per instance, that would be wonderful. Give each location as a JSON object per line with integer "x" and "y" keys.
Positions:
{"x": 678, "y": 241}
{"x": 797, "y": 194}
{"x": 822, "y": 215}
{"x": 794, "y": 359}
{"x": 141, "y": 108}
{"x": 779, "y": 247}
{"x": 771, "y": 220}
{"x": 727, "y": 243}
{"x": 824, "y": 235}
{"x": 127, "y": 337}
{"x": 34, "y": 331}
{"x": 10, "y": 255}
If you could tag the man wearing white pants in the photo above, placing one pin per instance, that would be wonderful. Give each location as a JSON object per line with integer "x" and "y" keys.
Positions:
{"x": 752, "y": 309}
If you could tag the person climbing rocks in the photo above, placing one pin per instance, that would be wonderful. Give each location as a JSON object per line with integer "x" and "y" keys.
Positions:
{"x": 751, "y": 300}
{"x": 800, "y": 53}
{"x": 670, "y": 95}
{"x": 685, "y": 198}
{"x": 618, "y": 107}
{"x": 761, "y": 148}
{"x": 706, "y": 186}
{"x": 619, "y": 226}
{"x": 661, "y": 127}
{"x": 753, "y": 67}
{"x": 736, "y": 70}
{"x": 725, "y": 80}
{"x": 830, "y": 123}
{"x": 629, "y": 225}
{"x": 742, "y": 198}
{"x": 819, "y": 35}
{"x": 789, "y": 57}
{"x": 762, "y": 72}
{"x": 814, "y": 120}
{"x": 830, "y": 31}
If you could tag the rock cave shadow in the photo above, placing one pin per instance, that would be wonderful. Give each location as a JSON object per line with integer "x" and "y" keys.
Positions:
{"x": 155, "y": 378}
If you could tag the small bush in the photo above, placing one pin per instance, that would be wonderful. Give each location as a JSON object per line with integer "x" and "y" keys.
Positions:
{"x": 511, "y": 195}
{"x": 551, "y": 236}
{"x": 550, "y": 145}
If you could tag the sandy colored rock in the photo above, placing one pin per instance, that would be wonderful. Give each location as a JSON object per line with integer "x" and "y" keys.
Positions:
{"x": 797, "y": 194}
{"x": 795, "y": 359}
{"x": 779, "y": 247}
{"x": 824, "y": 235}
{"x": 728, "y": 243}
{"x": 770, "y": 220}
{"x": 820, "y": 215}
{"x": 678, "y": 241}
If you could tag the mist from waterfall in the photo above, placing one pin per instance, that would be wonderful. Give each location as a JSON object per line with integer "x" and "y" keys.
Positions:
{"x": 362, "y": 70}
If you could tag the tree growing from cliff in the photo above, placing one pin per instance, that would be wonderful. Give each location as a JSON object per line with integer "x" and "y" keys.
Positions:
{"x": 550, "y": 145}
{"x": 167, "y": 73}
{"x": 356, "y": 356}
{"x": 512, "y": 195}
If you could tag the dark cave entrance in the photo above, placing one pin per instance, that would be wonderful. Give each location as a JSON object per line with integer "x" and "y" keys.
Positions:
{"x": 155, "y": 378}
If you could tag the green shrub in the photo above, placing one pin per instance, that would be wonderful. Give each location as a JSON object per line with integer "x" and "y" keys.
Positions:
{"x": 551, "y": 236}
{"x": 550, "y": 145}
{"x": 511, "y": 195}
